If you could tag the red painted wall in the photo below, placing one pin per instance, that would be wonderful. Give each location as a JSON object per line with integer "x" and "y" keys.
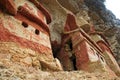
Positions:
{"x": 104, "y": 47}
{"x": 6, "y": 36}
{"x": 81, "y": 55}
{"x": 12, "y": 30}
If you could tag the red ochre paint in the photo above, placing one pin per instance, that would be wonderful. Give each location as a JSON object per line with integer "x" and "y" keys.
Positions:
{"x": 6, "y": 36}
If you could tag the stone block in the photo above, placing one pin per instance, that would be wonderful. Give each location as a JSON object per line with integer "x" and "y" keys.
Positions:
{"x": 27, "y": 60}
{"x": 111, "y": 62}
{"x": 88, "y": 59}
{"x": 51, "y": 65}
{"x": 96, "y": 37}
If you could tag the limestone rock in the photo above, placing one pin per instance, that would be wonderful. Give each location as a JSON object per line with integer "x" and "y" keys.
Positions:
{"x": 27, "y": 60}
{"x": 29, "y": 73}
{"x": 70, "y": 5}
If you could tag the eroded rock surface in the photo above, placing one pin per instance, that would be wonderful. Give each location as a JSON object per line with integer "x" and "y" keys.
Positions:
{"x": 28, "y": 29}
{"x": 93, "y": 11}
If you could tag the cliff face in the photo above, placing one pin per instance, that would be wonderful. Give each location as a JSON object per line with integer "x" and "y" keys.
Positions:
{"x": 93, "y": 11}
{"x": 105, "y": 21}
{"x": 70, "y": 37}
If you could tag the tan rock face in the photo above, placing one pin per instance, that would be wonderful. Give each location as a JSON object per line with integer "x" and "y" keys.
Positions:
{"x": 70, "y": 5}
{"x": 102, "y": 18}
{"x": 15, "y": 54}
{"x": 29, "y": 73}
{"x": 25, "y": 45}
{"x": 58, "y": 19}
{"x": 11, "y": 53}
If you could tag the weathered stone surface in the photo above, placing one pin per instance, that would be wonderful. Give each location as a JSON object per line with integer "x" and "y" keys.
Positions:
{"x": 112, "y": 63}
{"x": 108, "y": 54}
{"x": 70, "y": 5}
{"x": 105, "y": 21}
{"x": 26, "y": 60}
{"x": 28, "y": 32}
{"x": 29, "y": 73}
{"x": 87, "y": 53}
{"x": 59, "y": 16}
{"x": 11, "y": 53}
{"x": 96, "y": 15}
{"x": 25, "y": 48}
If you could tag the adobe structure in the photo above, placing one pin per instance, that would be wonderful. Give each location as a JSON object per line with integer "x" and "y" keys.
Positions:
{"x": 100, "y": 39}
{"x": 25, "y": 41}
{"x": 84, "y": 49}
{"x": 24, "y": 31}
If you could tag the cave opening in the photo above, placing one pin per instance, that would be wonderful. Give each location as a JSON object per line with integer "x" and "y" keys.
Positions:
{"x": 72, "y": 55}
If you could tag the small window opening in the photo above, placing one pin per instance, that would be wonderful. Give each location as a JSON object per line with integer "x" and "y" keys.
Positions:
{"x": 25, "y": 24}
{"x": 74, "y": 63}
{"x": 102, "y": 59}
{"x": 70, "y": 44}
{"x": 37, "y": 32}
